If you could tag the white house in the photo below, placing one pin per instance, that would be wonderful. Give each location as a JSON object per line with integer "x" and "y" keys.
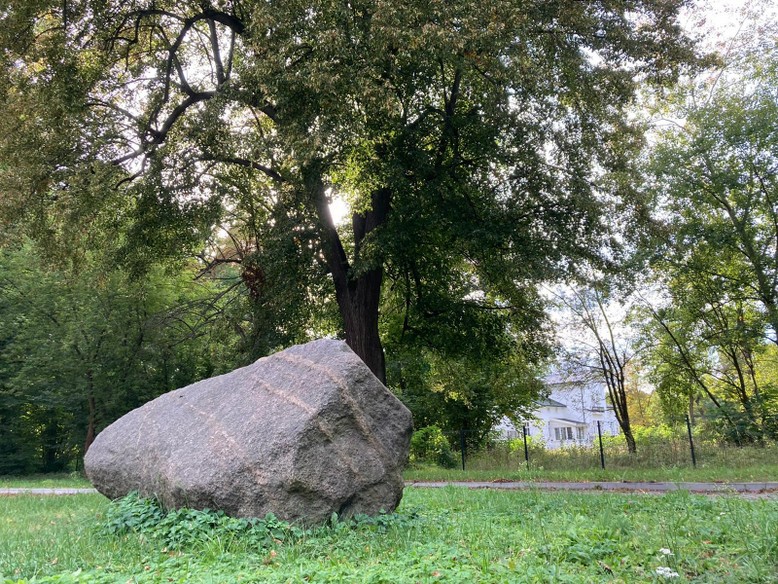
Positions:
{"x": 569, "y": 415}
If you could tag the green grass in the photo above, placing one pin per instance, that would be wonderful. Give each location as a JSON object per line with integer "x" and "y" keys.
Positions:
{"x": 667, "y": 461}
{"x": 61, "y": 480}
{"x": 441, "y": 535}
{"x": 486, "y": 468}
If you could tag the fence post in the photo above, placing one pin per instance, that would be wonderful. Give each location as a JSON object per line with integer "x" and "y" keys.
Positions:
{"x": 526, "y": 450}
{"x": 462, "y": 445}
{"x": 602, "y": 454}
{"x": 691, "y": 440}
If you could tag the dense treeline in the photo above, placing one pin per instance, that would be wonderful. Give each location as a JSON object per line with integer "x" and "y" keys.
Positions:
{"x": 79, "y": 348}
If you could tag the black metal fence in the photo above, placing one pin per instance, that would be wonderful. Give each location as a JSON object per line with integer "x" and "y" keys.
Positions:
{"x": 685, "y": 442}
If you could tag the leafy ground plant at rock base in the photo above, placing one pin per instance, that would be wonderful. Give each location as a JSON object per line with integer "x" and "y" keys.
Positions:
{"x": 441, "y": 535}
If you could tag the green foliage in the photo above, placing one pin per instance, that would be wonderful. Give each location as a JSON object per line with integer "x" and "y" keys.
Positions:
{"x": 663, "y": 455}
{"x": 534, "y": 444}
{"x": 477, "y": 145}
{"x": 453, "y": 388}
{"x": 188, "y": 527}
{"x": 713, "y": 181}
{"x": 430, "y": 445}
{"x": 81, "y": 346}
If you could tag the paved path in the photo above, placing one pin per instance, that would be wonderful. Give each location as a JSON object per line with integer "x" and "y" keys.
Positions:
{"x": 770, "y": 488}
{"x": 57, "y": 491}
{"x": 639, "y": 487}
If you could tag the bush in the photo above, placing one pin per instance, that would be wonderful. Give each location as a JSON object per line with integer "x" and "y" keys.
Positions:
{"x": 534, "y": 444}
{"x": 430, "y": 445}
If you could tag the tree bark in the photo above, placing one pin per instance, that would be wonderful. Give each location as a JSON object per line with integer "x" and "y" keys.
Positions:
{"x": 630, "y": 439}
{"x": 358, "y": 295}
{"x": 614, "y": 381}
{"x": 90, "y": 426}
{"x": 359, "y": 309}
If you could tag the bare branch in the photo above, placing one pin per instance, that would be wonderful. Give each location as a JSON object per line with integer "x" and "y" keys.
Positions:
{"x": 273, "y": 174}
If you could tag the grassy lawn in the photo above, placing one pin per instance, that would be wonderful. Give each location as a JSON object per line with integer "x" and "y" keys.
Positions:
{"x": 52, "y": 481}
{"x": 440, "y": 535}
{"x": 485, "y": 467}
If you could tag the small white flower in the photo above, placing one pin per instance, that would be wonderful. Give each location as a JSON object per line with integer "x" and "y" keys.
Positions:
{"x": 665, "y": 552}
{"x": 666, "y": 572}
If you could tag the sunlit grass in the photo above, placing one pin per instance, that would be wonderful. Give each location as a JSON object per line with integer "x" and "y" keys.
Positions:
{"x": 763, "y": 473}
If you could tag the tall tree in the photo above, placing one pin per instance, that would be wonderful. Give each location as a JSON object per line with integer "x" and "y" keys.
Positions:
{"x": 714, "y": 178}
{"x": 459, "y": 132}
{"x": 715, "y": 181}
{"x": 708, "y": 342}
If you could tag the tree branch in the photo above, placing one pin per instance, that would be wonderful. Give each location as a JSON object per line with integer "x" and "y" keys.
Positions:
{"x": 273, "y": 174}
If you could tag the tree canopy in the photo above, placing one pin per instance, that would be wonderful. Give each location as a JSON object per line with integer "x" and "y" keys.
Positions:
{"x": 469, "y": 139}
{"x": 714, "y": 175}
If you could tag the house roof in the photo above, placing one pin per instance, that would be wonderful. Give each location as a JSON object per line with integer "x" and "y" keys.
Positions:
{"x": 569, "y": 421}
{"x": 551, "y": 403}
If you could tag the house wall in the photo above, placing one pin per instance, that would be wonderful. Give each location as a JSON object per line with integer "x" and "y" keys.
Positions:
{"x": 575, "y": 423}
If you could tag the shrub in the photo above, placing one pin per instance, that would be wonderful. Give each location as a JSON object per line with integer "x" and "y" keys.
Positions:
{"x": 534, "y": 444}
{"x": 430, "y": 445}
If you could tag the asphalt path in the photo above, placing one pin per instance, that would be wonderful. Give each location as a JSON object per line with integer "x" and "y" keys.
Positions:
{"x": 620, "y": 486}
{"x": 57, "y": 491}
{"x": 769, "y": 489}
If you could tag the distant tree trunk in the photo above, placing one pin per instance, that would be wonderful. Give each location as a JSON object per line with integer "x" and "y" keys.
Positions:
{"x": 692, "y": 418}
{"x": 629, "y": 438}
{"x": 51, "y": 450}
{"x": 359, "y": 294}
{"x": 90, "y": 425}
{"x": 613, "y": 370}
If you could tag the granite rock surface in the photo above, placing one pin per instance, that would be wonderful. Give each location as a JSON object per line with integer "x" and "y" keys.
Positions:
{"x": 302, "y": 433}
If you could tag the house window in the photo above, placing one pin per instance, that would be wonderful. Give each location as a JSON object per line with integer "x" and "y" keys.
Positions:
{"x": 580, "y": 432}
{"x": 565, "y": 433}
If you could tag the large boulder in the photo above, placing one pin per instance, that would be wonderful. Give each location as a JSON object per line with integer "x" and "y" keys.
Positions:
{"x": 302, "y": 433}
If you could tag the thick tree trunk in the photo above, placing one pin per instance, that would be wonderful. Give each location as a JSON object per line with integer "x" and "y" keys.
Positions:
{"x": 359, "y": 310}
{"x": 358, "y": 295}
